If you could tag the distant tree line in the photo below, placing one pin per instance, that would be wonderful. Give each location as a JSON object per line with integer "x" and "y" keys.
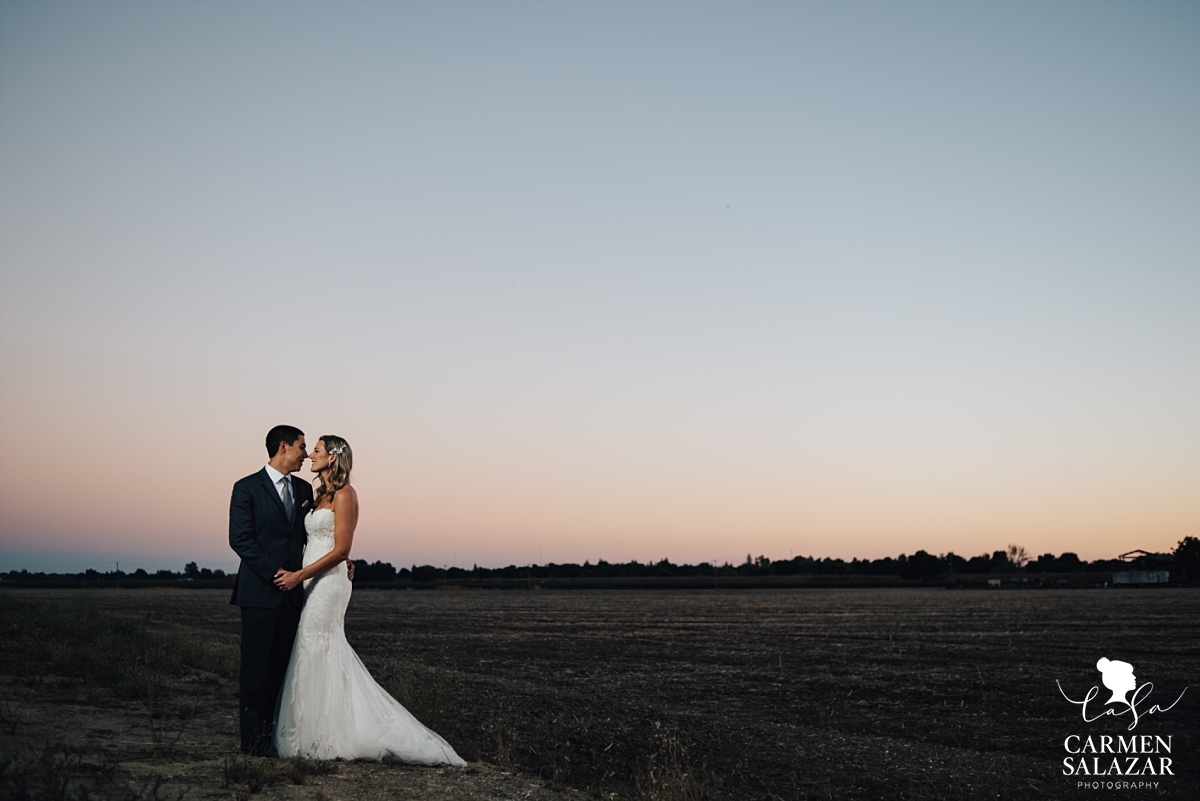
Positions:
{"x": 917, "y": 566}
{"x": 190, "y": 571}
{"x": 920, "y": 565}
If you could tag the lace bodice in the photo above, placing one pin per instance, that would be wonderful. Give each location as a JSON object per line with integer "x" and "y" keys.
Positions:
{"x": 319, "y": 525}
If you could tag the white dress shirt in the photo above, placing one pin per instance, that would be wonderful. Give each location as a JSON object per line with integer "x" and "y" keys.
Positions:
{"x": 277, "y": 479}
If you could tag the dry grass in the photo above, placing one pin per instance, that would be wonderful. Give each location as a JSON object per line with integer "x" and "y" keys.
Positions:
{"x": 681, "y": 696}
{"x": 100, "y": 700}
{"x": 427, "y": 691}
{"x": 669, "y": 774}
{"x": 78, "y": 639}
{"x": 65, "y": 773}
{"x": 252, "y": 774}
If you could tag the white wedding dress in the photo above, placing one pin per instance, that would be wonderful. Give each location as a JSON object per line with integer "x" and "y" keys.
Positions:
{"x": 330, "y": 706}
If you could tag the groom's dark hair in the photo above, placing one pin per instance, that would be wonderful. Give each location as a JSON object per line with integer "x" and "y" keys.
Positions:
{"x": 280, "y": 434}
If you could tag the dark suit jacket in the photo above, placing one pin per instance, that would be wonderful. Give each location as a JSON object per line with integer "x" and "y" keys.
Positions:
{"x": 266, "y": 540}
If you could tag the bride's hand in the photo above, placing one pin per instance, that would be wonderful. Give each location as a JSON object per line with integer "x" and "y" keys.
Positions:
{"x": 349, "y": 569}
{"x": 286, "y": 580}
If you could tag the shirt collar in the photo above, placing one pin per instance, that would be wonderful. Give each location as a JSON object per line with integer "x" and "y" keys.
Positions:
{"x": 274, "y": 475}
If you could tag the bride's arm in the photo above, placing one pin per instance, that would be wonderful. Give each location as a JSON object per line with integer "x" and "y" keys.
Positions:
{"x": 345, "y": 519}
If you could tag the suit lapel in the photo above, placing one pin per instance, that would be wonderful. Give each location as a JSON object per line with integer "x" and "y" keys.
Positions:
{"x": 274, "y": 492}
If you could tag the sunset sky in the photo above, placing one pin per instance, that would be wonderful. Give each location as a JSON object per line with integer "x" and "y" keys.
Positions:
{"x": 603, "y": 280}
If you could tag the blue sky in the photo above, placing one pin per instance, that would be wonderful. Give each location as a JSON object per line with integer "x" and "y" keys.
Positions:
{"x": 604, "y": 280}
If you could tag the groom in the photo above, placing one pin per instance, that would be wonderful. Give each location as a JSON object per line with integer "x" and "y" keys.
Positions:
{"x": 266, "y": 529}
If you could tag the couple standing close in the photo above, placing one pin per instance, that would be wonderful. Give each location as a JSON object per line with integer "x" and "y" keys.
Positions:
{"x": 302, "y": 689}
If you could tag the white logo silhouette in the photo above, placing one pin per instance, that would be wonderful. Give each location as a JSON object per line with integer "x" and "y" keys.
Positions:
{"x": 1118, "y": 677}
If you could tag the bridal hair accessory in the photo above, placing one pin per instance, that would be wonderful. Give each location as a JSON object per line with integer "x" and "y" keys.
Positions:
{"x": 337, "y": 449}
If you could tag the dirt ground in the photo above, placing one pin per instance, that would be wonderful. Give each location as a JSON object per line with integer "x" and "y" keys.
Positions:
{"x": 87, "y": 737}
{"x": 768, "y": 694}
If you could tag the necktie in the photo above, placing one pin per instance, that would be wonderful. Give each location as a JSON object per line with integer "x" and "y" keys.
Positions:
{"x": 287, "y": 495}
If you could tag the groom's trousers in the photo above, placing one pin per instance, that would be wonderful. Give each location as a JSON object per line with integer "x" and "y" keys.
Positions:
{"x": 267, "y": 639}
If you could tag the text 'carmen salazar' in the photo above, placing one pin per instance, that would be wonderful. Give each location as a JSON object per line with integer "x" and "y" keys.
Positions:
{"x": 1105, "y": 755}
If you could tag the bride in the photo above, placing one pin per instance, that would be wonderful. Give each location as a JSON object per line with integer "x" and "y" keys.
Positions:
{"x": 330, "y": 706}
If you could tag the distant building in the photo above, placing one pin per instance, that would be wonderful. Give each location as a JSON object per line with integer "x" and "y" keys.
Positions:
{"x": 1141, "y": 576}
{"x": 1144, "y": 568}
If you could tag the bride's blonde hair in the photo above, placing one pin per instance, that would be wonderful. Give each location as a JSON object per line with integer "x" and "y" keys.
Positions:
{"x": 338, "y": 474}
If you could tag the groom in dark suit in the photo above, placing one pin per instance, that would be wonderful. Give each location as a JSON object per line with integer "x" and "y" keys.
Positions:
{"x": 266, "y": 529}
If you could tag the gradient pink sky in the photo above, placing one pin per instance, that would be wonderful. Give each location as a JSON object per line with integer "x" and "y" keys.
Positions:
{"x": 603, "y": 281}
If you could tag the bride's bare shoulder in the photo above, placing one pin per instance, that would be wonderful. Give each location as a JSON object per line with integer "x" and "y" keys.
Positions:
{"x": 346, "y": 495}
